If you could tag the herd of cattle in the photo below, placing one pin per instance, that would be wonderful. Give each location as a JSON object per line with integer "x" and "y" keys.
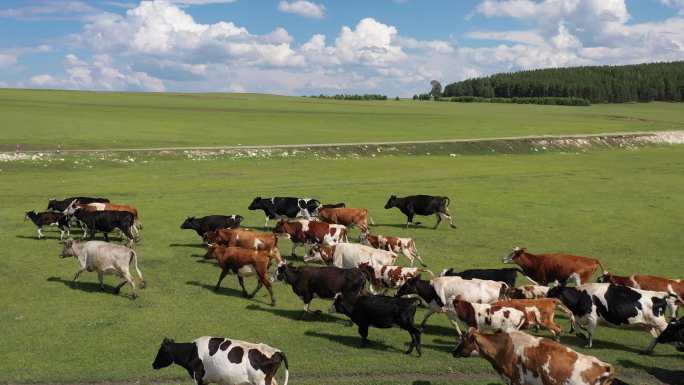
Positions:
{"x": 357, "y": 277}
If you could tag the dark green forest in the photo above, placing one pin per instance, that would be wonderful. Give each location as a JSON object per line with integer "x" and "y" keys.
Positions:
{"x": 598, "y": 84}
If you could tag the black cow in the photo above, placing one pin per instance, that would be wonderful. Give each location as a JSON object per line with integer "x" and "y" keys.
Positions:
{"x": 673, "y": 334}
{"x": 506, "y": 276}
{"x": 61, "y": 205}
{"x": 422, "y": 205}
{"x": 209, "y": 223}
{"x": 49, "y": 218}
{"x": 615, "y": 304}
{"x": 322, "y": 282}
{"x": 381, "y": 312}
{"x": 286, "y": 207}
{"x": 105, "y": 222}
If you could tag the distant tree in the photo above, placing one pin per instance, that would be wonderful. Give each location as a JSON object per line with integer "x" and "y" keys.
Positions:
{"x": 415, "y": 97}
{"x": 436, "y": 90}
{"x": 396, "y": 98}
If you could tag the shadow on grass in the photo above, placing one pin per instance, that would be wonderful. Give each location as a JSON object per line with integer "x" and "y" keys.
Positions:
{"x": 297, "y": 315}
{"x": 91, "y": 287}
{"x": 354, "y": 341}
{"x": 579, "y": 342}
{"x": 667, "y": 376}
{"x": 187, "y": 245}
{"x": 35, "y": 237}
{"x": 229, "y": 291}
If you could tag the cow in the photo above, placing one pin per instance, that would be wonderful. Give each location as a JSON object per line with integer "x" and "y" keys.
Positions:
{"x": 244, "y": 262}
{"x": 209, "y": 223}
{"x": 219, "y": 360}
{"x": 506, "y": 276}
{"x": 528, "y": 292}
{"x": 403, "y": 246}
{"x": 615, "y": 304}
{"x": 346, "y": 216}
{"x": 248, "y": 239}
{"x": 546, "y": 268}
{"x": 96, "y": 206}
{"x": 439, "y": 293}
{"x": 104, "y": 258}
{"x": 308, "y": 282}
{"x": 674, "y": 333}
{"x": 422, "y": 205}
{"x": 522, "y": 359}
{"x": 347, "y": 255}
{"x": 307, "y": 232}
{"x": 384, "y": 277}
{"x": 62, "y": 205}
{"x": 539, "y": 312}
{"x": 285, "y": 207}
{"x": 49, "y": 218}
{"x": 106, "y": 222}
{"x": 381, "y": 312}
{"x": 650, "y": 282}
{"x": 485, "y": 316}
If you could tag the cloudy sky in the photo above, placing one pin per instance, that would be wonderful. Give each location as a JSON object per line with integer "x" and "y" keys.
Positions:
{"x": 299, "y": 47}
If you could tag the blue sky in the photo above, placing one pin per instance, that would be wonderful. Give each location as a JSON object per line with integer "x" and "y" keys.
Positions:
{"x": 300, "y": 47}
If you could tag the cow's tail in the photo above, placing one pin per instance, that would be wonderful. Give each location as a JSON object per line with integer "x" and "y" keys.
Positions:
{"x": 370, "y": 219}
{"x": 503, "y": 291}
{"x": 277, "y": 358}
{"x": 603, "y": 270}
{"x": 447, "y": 202}
{"x": 134, "y": 259}
{"x": 429, "y": 272}
{"x": 616, "y": 381}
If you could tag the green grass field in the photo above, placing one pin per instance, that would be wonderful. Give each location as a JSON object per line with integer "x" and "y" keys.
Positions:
{"x": 43, "y": 120}
{"x": 624, "y": 207}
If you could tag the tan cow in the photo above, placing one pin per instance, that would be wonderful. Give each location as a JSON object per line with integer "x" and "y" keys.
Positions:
{"x": 346, "y": 216}
{"x": 547, "y": 268}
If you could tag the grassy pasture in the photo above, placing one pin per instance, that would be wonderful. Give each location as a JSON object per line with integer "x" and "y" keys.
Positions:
{"x": 624, "y": 207}
{"x": 41, "y": 119}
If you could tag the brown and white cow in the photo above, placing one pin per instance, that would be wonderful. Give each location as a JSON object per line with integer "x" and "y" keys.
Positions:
{"x": 249, "y": 239}
{"x": 346, "y": 216}
{"x": 546, "y": 268}
{"x": 522, "y": 359}
{"x": 485, "y": 316}
{"x": 384, "y": 277}
{"x": 674, "y": 287}
{"x": 404, "y": 246}
{"x": 307, "y": 232}
{"x": 539, "y": 312}
{"x": 528, "y": 292}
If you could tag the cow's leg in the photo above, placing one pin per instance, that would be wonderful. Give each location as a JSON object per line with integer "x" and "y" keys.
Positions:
{"x": 651, "y": 346}
{"x": 100, "y": 278}
{"x": 241, "y": 281}
{"x": 266, "y": 223}
{"x": 294, "y": 248}
{"x": 128, "y": 279}
{"x": 363, "y": 332}
{"x": 223, "y": 275}
{"x": 78, "y": 273}
{"x": 429, "y": 312}
{"x": 439, "y": 220}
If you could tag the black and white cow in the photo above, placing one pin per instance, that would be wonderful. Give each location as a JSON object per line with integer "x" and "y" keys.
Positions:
{"x": 49, "y": 218}
{"x": 381, "y": 312}
{"x": 673, "y": 334}
{"x": 225, "y": 361}
{"x": 286, "y": 207}
{"x": 506, "y": 276}
{"x": 421, "y": 205}
{"x": 106, "y": 222}
{"x": 63, "y": 204}
{"x": 308, "y": 282}
{"x": 615, "y": 304}
{"x": 209, "y": 223}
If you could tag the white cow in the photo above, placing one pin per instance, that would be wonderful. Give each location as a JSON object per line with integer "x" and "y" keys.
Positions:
{"x": 104, "y": 258}
{"x": 348, "y": 255}
{"x": 225, "y": 361}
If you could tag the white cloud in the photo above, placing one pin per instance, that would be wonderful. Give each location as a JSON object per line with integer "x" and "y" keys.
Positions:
{"x": 52, "y": 10}
{"x": 371, "y": 42}
{"x": 7, "y": 60}
{"x": 303, "y": 8}
{"x": 675, "y": 3}
{"x": 201, "y": 2}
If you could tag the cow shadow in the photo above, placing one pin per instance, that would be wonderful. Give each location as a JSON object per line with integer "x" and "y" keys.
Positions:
{"x": 187, "y": 245}
{"x": 90, "y": 287}
{"x": 35, "y": 237}
{"x": 231, "y": 292}
{"x": 296, "y": 315}
{"x": 354, "y": 341}
{"x": 667, "y": 376}
{"x": 579, "y": 342}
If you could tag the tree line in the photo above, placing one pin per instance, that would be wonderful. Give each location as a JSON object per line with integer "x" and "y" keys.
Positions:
{"x": 351, "y": 97}
{"x": 597, "y": 84}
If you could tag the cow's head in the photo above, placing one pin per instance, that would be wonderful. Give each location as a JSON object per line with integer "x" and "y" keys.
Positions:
{"x": 72, "y": 207}
{"x": 367, "y": 271}
{"x": 392, "y": 202}
{"x": 606, "y": 277}
{"x": 283, "y": 271}
{"x": 238, "y": 219}
{"x": 468, "y": 346}
{"x": 341, "y": 304}
{"x": 410, "y": 287}
{"x": 320, "y": 253}
{"x": 29, "y": 214}
{"x": 189, "y": 223}
{"x": 51, "y": 204}
{"x": 257, "y": 203}
{"x": 211, "y": 237}
{"x": 516, "y": 253}
{"x": 68, "y": 249}
{"x": 164, "y": 355}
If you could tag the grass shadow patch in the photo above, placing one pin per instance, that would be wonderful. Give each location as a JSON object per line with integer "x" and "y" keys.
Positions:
{"x": 667, "y": 376}
{"x": 296, "y": 315}
{"x": 354, "y": 341}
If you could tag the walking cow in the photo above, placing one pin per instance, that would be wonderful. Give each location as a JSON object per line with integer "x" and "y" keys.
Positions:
{"x": 422, "y": 205}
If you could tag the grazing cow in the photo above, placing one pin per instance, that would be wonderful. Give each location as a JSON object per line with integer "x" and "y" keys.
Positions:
{"x": 383, "y": 277}
{"x": 306, "y": 232}
{"x": 546, "y": 268}
{"x": 650, "y": 282}
{"x": 218, "y": 360}
{"x": 439, "y": 293}
{"x": 209, "y": 223}
{"x": 404, "y": 246}
{"x": 333, "y": 205}
{"x": 286, "y": 207}
{"x": 245, "y": 238}
{"x": 347, "y": 255}
{"x": 308, "y": 282}
{"x": 104, "y": 258}
{"x": 528, "y": 292}
{"x": 485, "y": 316}
{"x": 106, "y": 222}
{"x": 346, "y": 216}
{"x": 244, "y": 262}
{"x": 49, "y": 218}
{"x": 506, "y": 276}
{"x": 522, "y": 359}
{"x": 381, "y": 312}
{"x": 422, "y": 205}
{"x": 62, "y": 205}
{"x": 539, "y": 312}
{"x": 615, "y": 304}
{"x": 674, "y": 333}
